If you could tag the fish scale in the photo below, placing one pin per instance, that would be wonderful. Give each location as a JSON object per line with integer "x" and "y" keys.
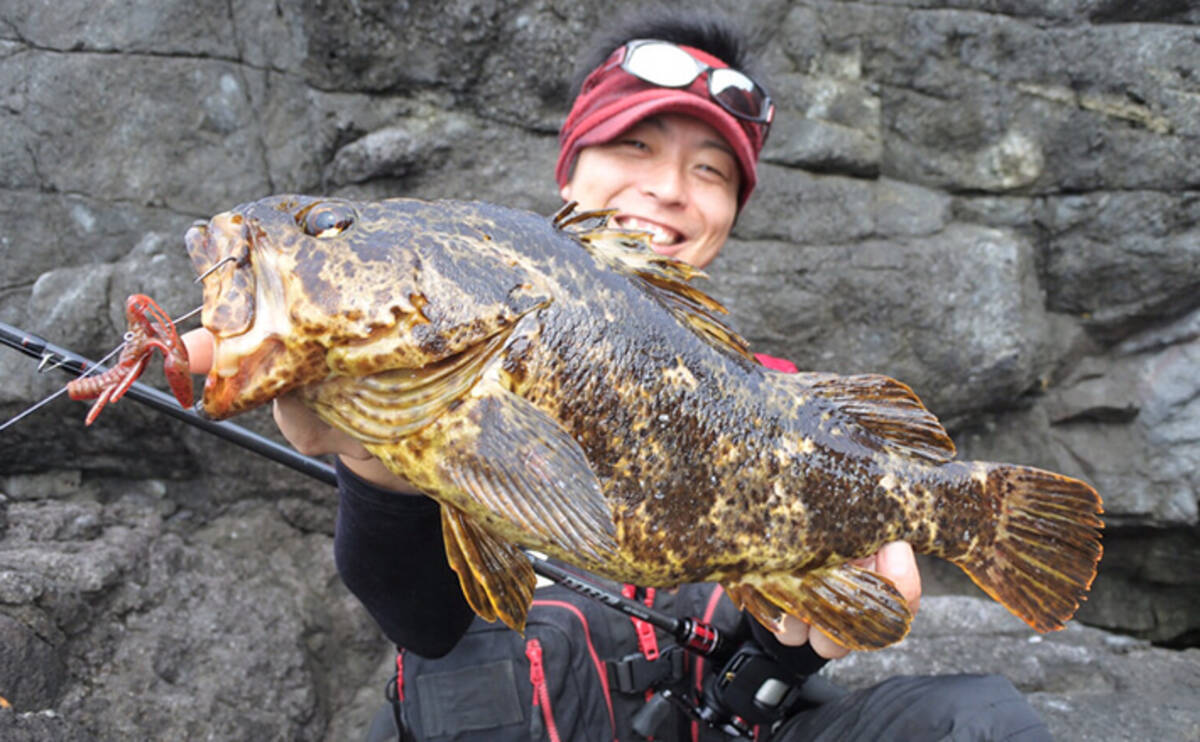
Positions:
{"x": 557, "y": 385}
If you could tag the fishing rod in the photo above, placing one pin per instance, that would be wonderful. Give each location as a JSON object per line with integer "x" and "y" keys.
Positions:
{"x": 748, "y": 682}
{"x": 74, "y": 364}
{"x": 695, "y": 634}
{"x": 691, "y": 633}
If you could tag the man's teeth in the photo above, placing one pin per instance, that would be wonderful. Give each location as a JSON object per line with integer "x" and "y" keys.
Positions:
{"x": 658, "y": 235}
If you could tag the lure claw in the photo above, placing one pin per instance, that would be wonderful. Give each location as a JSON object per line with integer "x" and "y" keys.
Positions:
{"x": 149, "y": 328}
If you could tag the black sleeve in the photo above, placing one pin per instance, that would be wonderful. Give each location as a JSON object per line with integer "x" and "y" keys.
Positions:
{"x": 389, "y": 552}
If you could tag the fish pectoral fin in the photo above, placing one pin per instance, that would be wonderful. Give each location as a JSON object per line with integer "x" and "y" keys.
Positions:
{"x": 524, "y": 468}
{"x": 384, "y": 407}
{"x": 857, "y": 608}
{"x": 496, "y": 576}
{"x": 886, "y": 408}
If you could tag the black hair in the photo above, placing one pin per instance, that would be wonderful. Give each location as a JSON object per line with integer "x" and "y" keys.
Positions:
{"x": 707, "y": 29}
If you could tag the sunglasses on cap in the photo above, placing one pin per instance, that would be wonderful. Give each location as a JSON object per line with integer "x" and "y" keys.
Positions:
{"x": 666, "y": 65}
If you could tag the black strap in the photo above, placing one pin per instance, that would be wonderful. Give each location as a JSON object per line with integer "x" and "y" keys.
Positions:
{"x": 635, "y": 674}
{"x": 402, "y": 731}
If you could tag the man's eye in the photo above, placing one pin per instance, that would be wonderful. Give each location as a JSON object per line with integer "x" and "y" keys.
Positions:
{"x": 714, "y": 171}
{"x": 327, "y": 220}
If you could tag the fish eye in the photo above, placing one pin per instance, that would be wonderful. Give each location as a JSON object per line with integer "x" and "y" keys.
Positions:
{"x": 326, "y": 220}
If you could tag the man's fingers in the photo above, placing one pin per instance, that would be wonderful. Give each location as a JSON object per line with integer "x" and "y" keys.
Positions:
{"x": 897, "y": 562}
{"x": 826, "y": 647}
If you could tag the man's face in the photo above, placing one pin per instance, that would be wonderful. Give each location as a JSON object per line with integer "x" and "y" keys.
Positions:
{"x": 671, "y": 175}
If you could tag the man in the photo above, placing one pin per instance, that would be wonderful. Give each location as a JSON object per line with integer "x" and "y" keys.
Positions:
{"x": 665, "y": 128}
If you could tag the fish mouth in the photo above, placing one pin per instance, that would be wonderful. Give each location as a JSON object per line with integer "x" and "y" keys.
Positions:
{"x": 245, "y": 312}
{"x": 226, "y": 394}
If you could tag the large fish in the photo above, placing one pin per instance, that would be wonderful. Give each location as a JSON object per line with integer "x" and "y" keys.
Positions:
{"x": 556, "y": 385}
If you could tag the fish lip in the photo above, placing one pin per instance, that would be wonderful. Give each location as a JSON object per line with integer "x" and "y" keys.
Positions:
{"x": 229, "y": 292}
{"x": 199, "y": 247}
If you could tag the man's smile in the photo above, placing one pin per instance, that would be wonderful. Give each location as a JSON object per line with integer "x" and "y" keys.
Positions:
{"x": 661, "y": 235}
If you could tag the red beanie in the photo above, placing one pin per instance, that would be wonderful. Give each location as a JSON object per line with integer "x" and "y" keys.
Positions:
{"x": 611, "y": 101}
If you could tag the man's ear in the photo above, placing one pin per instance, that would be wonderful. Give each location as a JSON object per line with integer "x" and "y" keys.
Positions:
{"x": 565, "y": 192}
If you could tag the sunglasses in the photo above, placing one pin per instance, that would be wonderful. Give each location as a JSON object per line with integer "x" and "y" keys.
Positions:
{"x": 666, "y": 65}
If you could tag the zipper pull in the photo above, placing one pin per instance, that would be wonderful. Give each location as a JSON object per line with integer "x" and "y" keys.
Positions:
{"x": 537, "y": 672}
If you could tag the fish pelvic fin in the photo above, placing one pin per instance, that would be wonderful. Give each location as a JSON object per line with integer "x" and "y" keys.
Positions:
{"x": 1047, "y": 545}
{"x": 496, "y": 577}
{"x": 857, "y": 608}
{"x": 888, "y": 410}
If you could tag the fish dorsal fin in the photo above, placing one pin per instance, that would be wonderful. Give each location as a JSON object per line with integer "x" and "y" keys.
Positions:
{"x": 666, "y": 279}
{"x": 886, "y": 408}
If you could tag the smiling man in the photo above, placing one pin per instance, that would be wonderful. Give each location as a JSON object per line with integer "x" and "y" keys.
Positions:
{"x": 669, "y": 135}
{"x": 670, "y": 175}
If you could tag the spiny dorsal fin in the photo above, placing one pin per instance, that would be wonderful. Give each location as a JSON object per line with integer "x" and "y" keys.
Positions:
{"x": 886, "y": 408}
{"x": 666, "y": 279}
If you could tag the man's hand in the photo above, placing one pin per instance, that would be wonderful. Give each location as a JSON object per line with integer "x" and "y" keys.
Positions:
{"x": 307, "y": 433}
{"x": 895, "y": 561}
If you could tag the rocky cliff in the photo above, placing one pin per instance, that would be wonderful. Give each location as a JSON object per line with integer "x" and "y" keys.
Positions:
{"x": 996, "y": 201}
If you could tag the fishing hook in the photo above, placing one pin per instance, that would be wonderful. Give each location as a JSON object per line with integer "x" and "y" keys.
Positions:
{"x": 214, "y": 267}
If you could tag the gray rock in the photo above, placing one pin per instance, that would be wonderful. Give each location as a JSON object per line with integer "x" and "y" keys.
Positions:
{"x": 233, "y": 628}
{"x": 874, "y": 307}
{"x": 1086, "y": 684}
{"x": 1122, "y": 261}
{"x": 39, "y": 726}
{"x": 825, "y": 124}
{"x": 32, "y": 672}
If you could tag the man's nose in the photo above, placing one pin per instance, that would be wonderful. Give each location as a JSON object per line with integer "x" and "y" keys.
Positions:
{"x": 666, "y": 183}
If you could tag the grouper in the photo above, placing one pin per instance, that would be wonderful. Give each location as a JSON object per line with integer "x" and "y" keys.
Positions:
{"x": 556, "y": 385}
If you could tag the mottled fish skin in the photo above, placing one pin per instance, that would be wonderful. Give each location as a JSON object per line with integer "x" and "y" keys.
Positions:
{"x": 410, "y": 326}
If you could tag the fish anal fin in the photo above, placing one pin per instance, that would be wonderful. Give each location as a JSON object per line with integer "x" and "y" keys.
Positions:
{"x": 530, "y": 476}
{"x": 857, "y": 608}
{"x": 1047, "y": 546}
{"x": 888, "y": 409}
{"x": 747, "y": 598}
{"x": 496, "y": 577}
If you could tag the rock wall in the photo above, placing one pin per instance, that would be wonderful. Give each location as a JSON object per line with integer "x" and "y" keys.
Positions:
{"x": 996, "y": 201}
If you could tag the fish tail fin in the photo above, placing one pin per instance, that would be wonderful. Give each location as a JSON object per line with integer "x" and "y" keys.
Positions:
{"x": 1046, "y": 548}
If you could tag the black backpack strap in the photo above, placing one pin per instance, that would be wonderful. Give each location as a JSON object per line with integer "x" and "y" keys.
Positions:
{"x": 397, "y": 698}
{"x": 633, "y": 673}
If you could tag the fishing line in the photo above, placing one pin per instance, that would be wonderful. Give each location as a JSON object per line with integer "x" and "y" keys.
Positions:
{"x": 34, "y": 408}
{"x": 42, "y": 367}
